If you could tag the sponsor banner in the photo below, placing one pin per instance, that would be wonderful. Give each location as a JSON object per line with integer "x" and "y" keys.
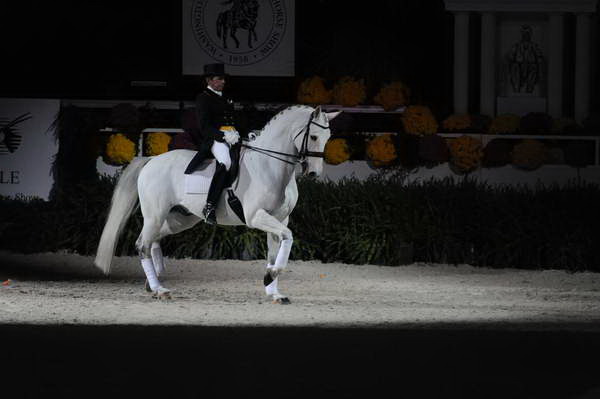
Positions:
{"x": 27, "y": 146}
{"x": 251, "y": 37}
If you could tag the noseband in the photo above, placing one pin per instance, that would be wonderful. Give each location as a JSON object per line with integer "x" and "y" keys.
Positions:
{"x": 302, "y": 155}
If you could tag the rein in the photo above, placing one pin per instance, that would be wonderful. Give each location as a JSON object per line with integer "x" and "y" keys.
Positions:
{"x": 304, "y": 153}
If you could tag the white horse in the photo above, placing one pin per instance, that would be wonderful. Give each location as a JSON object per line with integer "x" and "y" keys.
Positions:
{"x": 266, "y": 187}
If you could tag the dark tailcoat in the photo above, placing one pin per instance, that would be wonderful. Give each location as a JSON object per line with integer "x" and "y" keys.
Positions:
{"x": 201, "y": 128}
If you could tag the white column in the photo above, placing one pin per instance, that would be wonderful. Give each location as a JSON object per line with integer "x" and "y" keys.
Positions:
{"x": 555, "y": 65}
{"x": 487, "y": 104}
{"x": 461, "y": 62}
{"x": 582, "y": 66}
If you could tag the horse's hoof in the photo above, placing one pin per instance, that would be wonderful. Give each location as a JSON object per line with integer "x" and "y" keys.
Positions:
{"x": 282, "y": 301}
{"x": 161, "y": 294}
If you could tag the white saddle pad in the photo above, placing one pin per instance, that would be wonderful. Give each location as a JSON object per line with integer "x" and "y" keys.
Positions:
{"x": 199, "y": 181}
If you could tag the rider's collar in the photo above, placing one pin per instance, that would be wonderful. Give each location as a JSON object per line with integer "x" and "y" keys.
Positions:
{"x": 220, "y": 93}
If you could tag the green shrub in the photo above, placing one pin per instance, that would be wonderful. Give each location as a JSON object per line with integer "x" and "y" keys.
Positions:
{"x": 381, "y": 220}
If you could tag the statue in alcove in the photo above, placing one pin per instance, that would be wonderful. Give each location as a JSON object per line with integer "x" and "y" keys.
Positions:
{"x": 525, "y": 62}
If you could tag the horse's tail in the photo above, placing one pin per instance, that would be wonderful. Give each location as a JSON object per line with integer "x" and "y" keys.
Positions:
{"x": 124, "y": 200}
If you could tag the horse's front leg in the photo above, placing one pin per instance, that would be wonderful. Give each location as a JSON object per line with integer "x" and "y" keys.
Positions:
{"x": 271, "y": 284}
{"x": 279, "y": 241}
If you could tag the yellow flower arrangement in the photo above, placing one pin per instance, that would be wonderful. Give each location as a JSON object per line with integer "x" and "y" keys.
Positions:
{"x": 157, "y": 143}
{"x": 529, "y": 154}
{"x": 418, "y": 119}
{"x": 337, "y": 151}
{"x": 457, "y": 123}
{"x": 349, "y": 92}
{"x": 392, "y": 96}
{"x": 505, "y": 123}
{"x": 119, "y": 149}
{"x": 381, "y": 150}
{"x": 312, "y": 91}
{"x": 465, "y": 153}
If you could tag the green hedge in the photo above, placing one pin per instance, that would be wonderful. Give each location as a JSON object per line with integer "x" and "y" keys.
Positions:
{"x": 379, "y": 221}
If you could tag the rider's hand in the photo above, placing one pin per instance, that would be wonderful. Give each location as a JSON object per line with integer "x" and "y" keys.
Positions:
{"x": 231, "y": 137}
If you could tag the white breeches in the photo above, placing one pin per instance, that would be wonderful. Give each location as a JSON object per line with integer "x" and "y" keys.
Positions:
{"x": 221, "y": 153}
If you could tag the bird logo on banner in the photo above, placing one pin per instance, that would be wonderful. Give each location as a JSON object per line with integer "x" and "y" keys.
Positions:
{"x": 10, "y": 139}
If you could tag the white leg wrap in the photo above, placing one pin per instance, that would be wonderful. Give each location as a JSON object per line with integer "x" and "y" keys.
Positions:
{"x": 148, "y": 267}
{"x": 271, "y": 289}
{"x": 284, "y": 253}
{"x": 157, "y": 259}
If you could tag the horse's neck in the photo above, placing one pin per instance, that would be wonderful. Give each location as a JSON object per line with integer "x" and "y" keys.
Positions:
{"x": 277, "y": 136}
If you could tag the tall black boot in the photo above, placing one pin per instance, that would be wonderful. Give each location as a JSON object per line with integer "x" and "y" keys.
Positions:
{"x": 217, "y": 185}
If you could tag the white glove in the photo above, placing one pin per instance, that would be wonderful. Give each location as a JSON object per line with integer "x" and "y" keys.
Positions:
{"x": 231, "y": 137}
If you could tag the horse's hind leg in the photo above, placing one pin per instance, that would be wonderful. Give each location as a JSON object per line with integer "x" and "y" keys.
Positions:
{"x": 150, "y": 234}
{"x": 175, "y": 222}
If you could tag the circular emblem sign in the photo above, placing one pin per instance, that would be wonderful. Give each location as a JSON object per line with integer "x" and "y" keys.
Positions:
{"x": 238, "y": 32}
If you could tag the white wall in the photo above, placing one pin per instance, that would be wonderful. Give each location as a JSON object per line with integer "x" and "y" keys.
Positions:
{"x": 546, "y": 175}
{"x": 26, "y": 171}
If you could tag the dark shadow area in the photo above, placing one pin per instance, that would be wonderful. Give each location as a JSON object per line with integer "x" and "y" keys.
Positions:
{"x": 36, "y": 273}
{"x": 193, "y": 362}
{"x": 26, "y": 270}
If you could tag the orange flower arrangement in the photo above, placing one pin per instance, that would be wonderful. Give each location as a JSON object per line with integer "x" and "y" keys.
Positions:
{"x": 465, "y": 153}
{"x": 529, "y": 154}
{"x": 392, "y": 96}
{"x": 456, "y": 123}
{"x": 312, "y": 91}
{"x": 381, "y": 150}
{"x": 418, "y": 119}
{"x": 349, "y": 92}
{"x": 337, "y": 151}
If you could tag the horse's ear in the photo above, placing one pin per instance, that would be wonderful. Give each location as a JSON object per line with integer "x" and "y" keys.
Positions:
{"x": 331, "y": 115}
{"x": 317, "y": 112}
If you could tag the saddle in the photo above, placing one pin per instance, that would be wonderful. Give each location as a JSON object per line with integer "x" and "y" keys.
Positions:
{"x": 200, "y": 171}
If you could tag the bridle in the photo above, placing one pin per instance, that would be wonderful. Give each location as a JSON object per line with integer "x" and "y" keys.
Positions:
{"x": 302, "y": 155}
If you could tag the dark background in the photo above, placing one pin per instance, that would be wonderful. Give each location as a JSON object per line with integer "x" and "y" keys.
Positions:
{"x": 428, "y": 361}
{"x": 94, "y": 49}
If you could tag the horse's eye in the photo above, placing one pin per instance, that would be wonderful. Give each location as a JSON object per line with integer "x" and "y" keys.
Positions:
{"x": 313, "y": 138}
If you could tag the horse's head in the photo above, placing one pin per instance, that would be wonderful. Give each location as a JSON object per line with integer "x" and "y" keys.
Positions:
{"x": 311, "y": 142}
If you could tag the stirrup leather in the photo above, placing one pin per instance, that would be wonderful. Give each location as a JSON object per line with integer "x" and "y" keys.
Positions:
{"x": 209, "y": 213}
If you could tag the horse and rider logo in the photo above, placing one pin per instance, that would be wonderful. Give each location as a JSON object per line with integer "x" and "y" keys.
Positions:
{"x": 242, "y": 15}
{"x": 239, "y": 32}
{"x": 10, "y": 139}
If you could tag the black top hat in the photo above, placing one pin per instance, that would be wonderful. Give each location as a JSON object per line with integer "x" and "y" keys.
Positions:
{"x": 214, "y": 70}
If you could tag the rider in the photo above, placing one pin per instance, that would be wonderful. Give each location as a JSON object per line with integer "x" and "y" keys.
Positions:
{"x": 215, "y": 134}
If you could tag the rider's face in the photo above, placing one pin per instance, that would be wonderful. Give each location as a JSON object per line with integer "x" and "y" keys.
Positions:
{"x": 216, "y": 82}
